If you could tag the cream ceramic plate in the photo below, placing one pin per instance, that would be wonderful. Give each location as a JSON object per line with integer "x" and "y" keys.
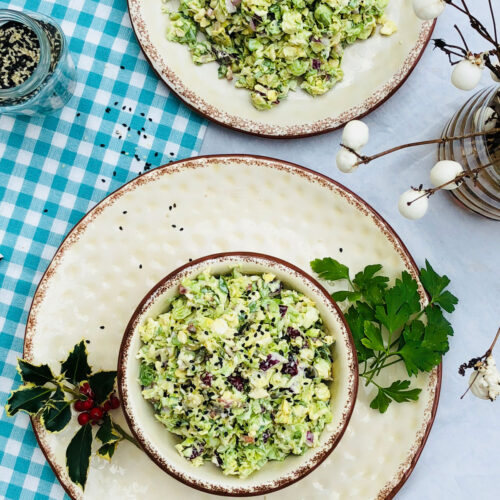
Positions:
{"x": 373, "y": 71}
{"x": 202, "y": 206}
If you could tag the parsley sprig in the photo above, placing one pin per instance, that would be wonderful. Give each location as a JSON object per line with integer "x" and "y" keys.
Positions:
{"x": 49, "y": 397}
{"x": 389, "y": 324}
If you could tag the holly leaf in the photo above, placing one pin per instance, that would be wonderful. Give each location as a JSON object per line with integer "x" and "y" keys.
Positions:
{"x": 346, "y": 294}
{"x": 373, "y": 337}
{"x": 107, "y": 450}
{"x": 76, "y": 367}
{"x": 102, "y": 383}
{"x": 435, "y": 286}
{"x": 78, "y": 455}
{"x": 57, "y": 413}
{"x": 330, "y": 269}
{"x": 357, "y": 327}
{"x": 28, "y": 399}
{"x": 107, "y": 432}
{"x": 35, "y": 374}
{"x": 398, "y": 391}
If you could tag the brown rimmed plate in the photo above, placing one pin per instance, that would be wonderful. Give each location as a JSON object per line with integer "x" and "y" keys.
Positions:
{"x": 209, "y": 205}
{"x": 373, "y": 70}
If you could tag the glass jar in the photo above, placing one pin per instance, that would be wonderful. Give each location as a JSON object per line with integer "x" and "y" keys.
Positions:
{"x": 479, "y": 114}
{"x": 52, "y": 82}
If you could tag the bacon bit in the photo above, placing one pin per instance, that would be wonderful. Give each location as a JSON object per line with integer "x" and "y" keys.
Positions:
{"x": 249, "y": 287}
{"x": 191, "y": 328}
{"x": 182, "y": 290}
{"x": 248, "y": 439}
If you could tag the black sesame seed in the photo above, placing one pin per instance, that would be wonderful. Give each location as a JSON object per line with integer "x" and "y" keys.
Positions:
{"x": 119, "y": 137}
{"x": 46, "y": 210}
{"x": 122, "y": 67}
{"x": 130, "y": 109}
{"x": 124, "y": 107}
{"x": 87, "y": 341}
{"x": 170, "y": 207}
{"x": 143, "y": 129}
{"x": 138, "y": 132}
{"x": 156, "y": 154}
{"x": 102, "y": 145}
{"x": 116, "y": 102}
{"x": 103, "y": 180}
{"x": 175, "y": 205}
{"x": 190, "y": 260}
{"x": 122, "y": 152}
{"x": 145, "y": 136}
{"x": 341, "y": 250}
{"x": 78, "y": 114}
{"x": 107, "y": 110}
{"x": 102, "y": 327}
{"x": 181, "y": 229}
{"x": 173, "y": 225}
{"x": 172, "y": 154}
{"x": 142, "y": 114}
{"x": 140, "y": 266}
{"x": 150, "y": 119}
{"x": 114, "y": 174}
{"x": 120, "y": 228}
{"x": 124, "y": 125}
{"x": 124, "y": 212}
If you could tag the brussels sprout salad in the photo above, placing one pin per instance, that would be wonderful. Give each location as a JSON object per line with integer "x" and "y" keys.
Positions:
{"x": 271, "y": 47}
{"x": 239, "y": 367}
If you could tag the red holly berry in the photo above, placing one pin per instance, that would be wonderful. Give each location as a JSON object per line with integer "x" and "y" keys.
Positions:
{"x": 85, "y": 389}
{"x": 96, "y": 413}
{"x": 88, "y": 404}
{"x": 114, "y": 402}
{"x": 106, "y": 406}
{"x": 79, "y": 405}
{"x": 83, "y": 418}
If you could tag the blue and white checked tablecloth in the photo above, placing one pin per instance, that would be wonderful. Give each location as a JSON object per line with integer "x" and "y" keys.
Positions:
{"x": 53, "y": 169}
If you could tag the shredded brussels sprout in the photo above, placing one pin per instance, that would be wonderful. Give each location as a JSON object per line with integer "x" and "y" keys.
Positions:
{"x": 271, "y": 47}
{"x": 239, "y": 367}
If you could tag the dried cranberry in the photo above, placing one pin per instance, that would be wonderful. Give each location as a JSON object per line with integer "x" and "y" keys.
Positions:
{"x": 269, "y": 361}
{"x": 290, "y": 368}
{"x": 310, "y": 438}
{"x": 237, "y": 382}
{"x": 182, "y": 290}
{"x": 283, "y": 310}
{"x": 197, "y": 451}
{"x": 275, "y": 288}
{"x": 265, "y": 436}
{"x": 206, "y": 378}
{"x": 316, "y": 64}
{"x": 292, "y": 332}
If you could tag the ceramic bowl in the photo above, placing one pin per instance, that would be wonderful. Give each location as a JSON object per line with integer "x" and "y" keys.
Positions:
{"x": 159, "y": 443}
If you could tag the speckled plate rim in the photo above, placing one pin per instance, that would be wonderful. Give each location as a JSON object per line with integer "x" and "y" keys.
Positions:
{"x": 388, "y": 492}
{"x": 234, "y": 122}
{"x": 299, "y": 472}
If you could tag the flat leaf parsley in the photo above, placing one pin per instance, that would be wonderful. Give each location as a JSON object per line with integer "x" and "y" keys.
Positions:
{"x": 389, "y": 324}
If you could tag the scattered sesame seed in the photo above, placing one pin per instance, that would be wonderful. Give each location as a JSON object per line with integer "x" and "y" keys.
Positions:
{"x": 156, "y": 154}
{"x": 103, "y": 180}
{"x": 190, "y": 260}
{"x": 145, "y": 136}
{"x": 102, "y": 327}
{"x": 173, "y": 225}
{"x": 45, "y": 211}
{"x": 175, "y": 205}
{"x": 124, "y": 107}
{"x": 120, "y": 228}
{"x": 122, "y": 67}
{"x": 78, "y": 114}
{"x": 87, "y": 341}
{"x": 172, "y": 154}
{"x": 124, "y": 212}
{"x": 130, "y": 109}
{"x": 142, "y": 114}
{"x": 107, "y": 110}
{"x": 181, "y": 229}
{"x": 150, "y": 119}
{"x": 140, "y": 266}
{"x": 341, "y": 250}
{"x": 116, "y": 102}
{"x": 122, "y": 152}
{"x": 138, "y": 132}
{"x": 102, "y": 145}
{"x": 114, "y": 173}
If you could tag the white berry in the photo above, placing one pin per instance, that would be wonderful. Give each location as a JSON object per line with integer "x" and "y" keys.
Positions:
{"x": 428, "y": 9}
{"x": 346, "y": 161}
{"x": 486, "y": 119}
{"x": 445, "y": 171}
{"x": 494, "y": 77}
{"x": 355, "y": 134}
{"x": 485, "y": 382}
{"x": 466, "y": 75}
{"x": 417, "y": 209}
